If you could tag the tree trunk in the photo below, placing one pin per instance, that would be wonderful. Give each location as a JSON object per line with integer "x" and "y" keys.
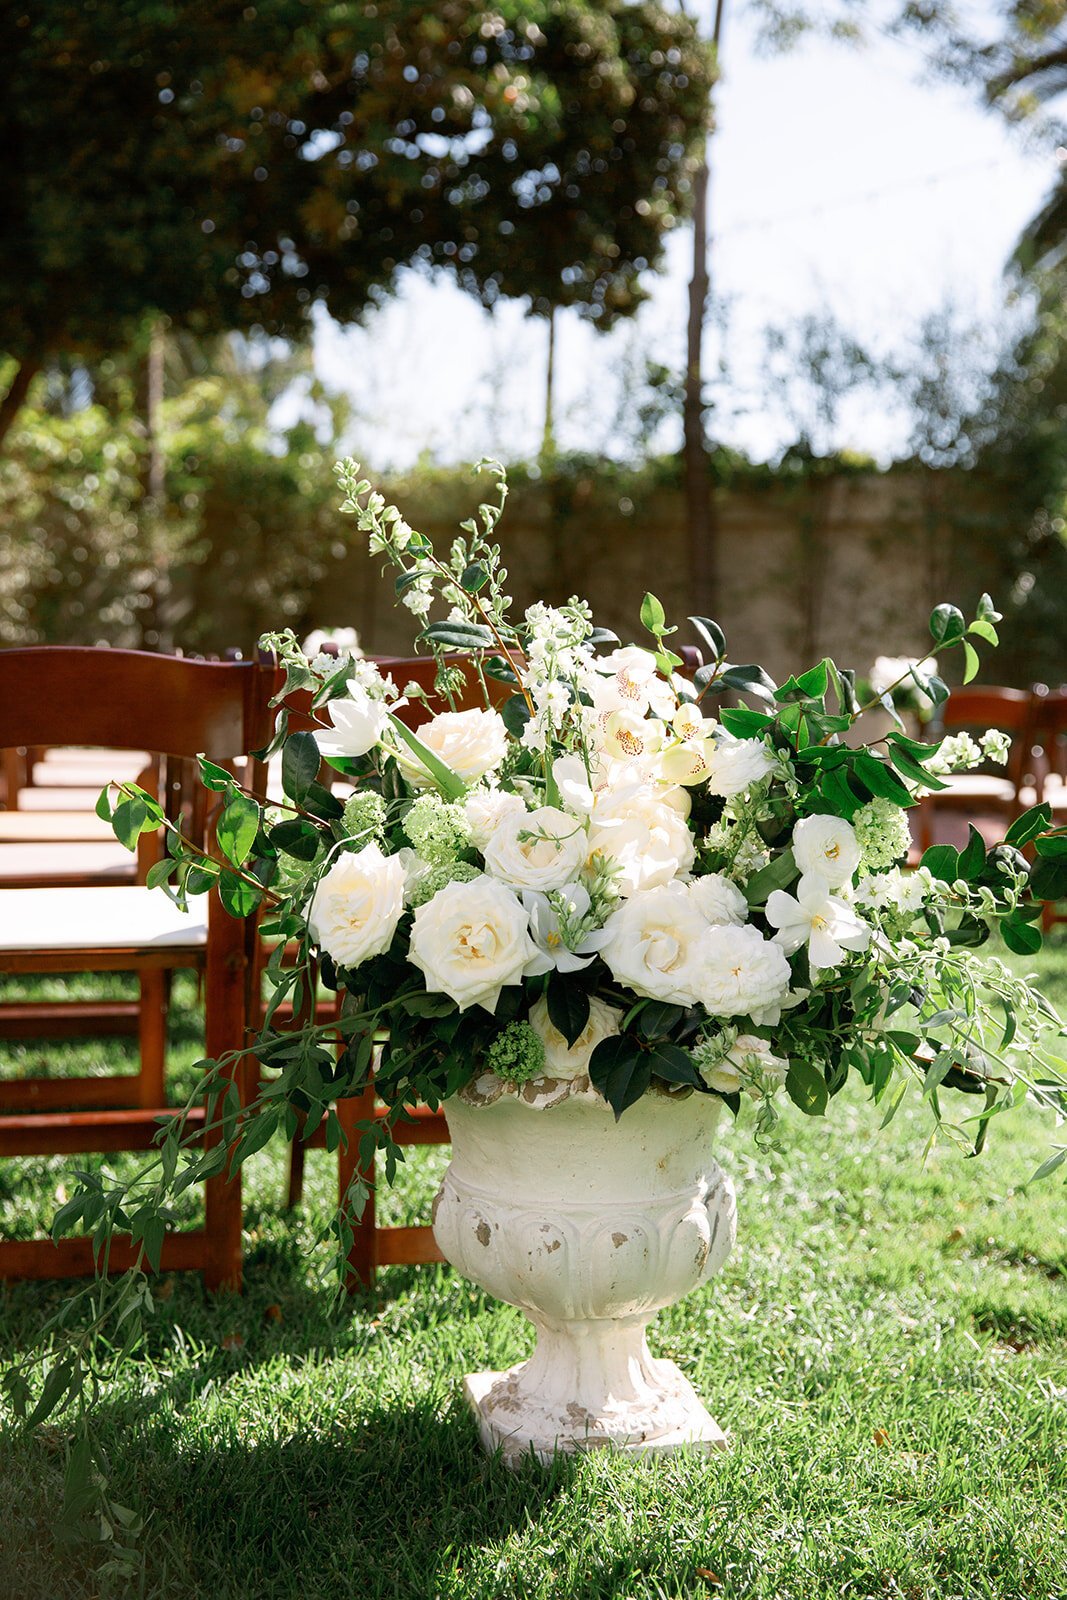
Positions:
{"x": 153, "y": 479}
{"x": 700, "y": 509}
{"x": 548, "y": 438}
{"x": 13, "y": 401}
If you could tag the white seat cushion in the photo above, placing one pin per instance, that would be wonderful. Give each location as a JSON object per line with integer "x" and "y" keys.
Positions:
{"x": 39, "y": 827}
{"x": 59, "y": 799}
{"x": 966, "y": 786}
{"x": 67, "y": 861}
{"x": 98, "y": 919}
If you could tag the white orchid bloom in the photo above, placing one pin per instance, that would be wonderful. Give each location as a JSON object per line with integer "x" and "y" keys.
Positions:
{"x": 813, "y": 916}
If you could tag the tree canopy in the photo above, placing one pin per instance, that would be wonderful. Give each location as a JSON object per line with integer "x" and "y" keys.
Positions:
{"x": 233, "y": 165}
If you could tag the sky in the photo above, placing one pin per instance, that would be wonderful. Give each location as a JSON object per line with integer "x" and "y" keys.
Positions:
{"x": 843, "y": 180}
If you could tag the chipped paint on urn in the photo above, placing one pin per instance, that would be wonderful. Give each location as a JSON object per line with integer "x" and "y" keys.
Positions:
{"x": 590, "y": 1227}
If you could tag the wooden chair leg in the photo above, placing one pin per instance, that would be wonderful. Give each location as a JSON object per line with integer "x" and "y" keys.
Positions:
{"x": 297, "y": 1152}
{"x": 152, "y": 1035}
{"x": 362, "y": 1258}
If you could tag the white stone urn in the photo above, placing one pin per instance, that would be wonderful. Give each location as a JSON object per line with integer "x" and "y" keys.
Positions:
{"x": 590, "y": 1227}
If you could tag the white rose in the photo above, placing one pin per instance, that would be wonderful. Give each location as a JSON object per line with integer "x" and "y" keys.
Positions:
{"x": 748, "y": 1064}
{"x": 742, "y": 974}
{"x": 357, "y": 905}
{"x": 564, "y": 1062}
{"x": 654, "y": 942}
{"x": 644, "y": 832}
{"x": 487, "y": 809}
{"x": 472, "y": 743}
{"x": 358, "y": 722}
{"x": 828, "y": 846}
{"x": 736, "y": 764}
{"x": 470, "y": 940}
{"x": 719, "y": 900}
{"x": 543, "y": 849}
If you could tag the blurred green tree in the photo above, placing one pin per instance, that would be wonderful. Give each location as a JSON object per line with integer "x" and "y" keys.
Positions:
{"x": 231, "y": 166}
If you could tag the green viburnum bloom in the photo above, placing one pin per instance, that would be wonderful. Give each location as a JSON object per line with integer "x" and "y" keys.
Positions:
{"x": 517, "y": 1054}
{"x": 445, "y": 872}
{"x": 364, "y": 815}
{"x": 438, "y": 831}
{"x": 882, "y": 834}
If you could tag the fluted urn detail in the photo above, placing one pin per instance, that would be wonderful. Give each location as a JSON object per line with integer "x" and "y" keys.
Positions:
{"x": 590, "y": 1227}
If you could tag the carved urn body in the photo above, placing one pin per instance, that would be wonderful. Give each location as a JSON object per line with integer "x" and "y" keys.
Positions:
{"x": 588, "y": 1226}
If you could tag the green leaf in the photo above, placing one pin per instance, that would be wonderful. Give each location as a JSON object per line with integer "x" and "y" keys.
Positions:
{"x": 675, "y": 1065}
{"x": 987, "y": 612}
{"x": 136, "y": 813}
{"x": 621, "y": 1072}
{"x": 972, "y": 857}
{"x": 749, "y": 679}
{"x": 159, "y": 872}
{"x": 459, "y": 635}
{"x": 807, "y": 1087}
{"x": 239, "y": 897}
{"x": 984, "y": 630}
{"x": 653, "y": 616}
{"x": 881, "y": 780}
{"x": 906, "y": 763}
{"x": 237, "y": 827}
{"x": 474, "y": 577}
{"x": 942, "y": 861}
{"x": 745, "y": 722}
{"x": 712, "y": 635}
{"x": 1049, "y": 1165}
{"x": 1053, "y": 846}
{"x": 103, "y": 803}
{"x": 657, "y": 1019}
{"x": 449, "y": 782}
{"x": 971, "y": 663}
{"x": 300, "y": 765}
{"x": 1029, "y": 825}
{"x": 1020, "y": 937}
{"x": 213, "y": 776}
{"x": 1048, "y": 881}
{"x": 297, "y": 838}
{"x": 777, "y": 874}
{"x": 947, "y": 624}
{"x": 568, "y": 1006}
{"x": 516, "y": 714}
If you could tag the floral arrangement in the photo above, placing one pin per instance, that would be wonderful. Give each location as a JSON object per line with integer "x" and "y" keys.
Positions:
{"x": 582, "y": 869}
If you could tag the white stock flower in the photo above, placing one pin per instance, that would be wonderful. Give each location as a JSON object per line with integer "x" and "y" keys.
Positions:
{"x": 473, "y": 743}
{"x": 826, "y": 845}
{"x": 654, "y": 943}
{"x": 643, "y": 832}
{"x": 813, "y": 916}
{"x": 741, "y": 974}
{"x": 486, "y": 809}
{"x": 719, "y": 900}
{"x": 358, "y": 723}
{"x": 471, "y": 940}
{"x": 357, "y": 904}
{"x": 895, "y": 890}
{"x": 996, "y": 746}
{"x": 736, "y": 764}
{"x": 562, "y": 1061}
{"x": 542, "y": 849}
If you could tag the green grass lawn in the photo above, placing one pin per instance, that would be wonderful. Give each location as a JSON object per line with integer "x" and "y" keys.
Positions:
{"x": 887, "y": 1348}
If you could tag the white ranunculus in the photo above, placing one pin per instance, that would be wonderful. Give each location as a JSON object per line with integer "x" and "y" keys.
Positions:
{"x": 357, "y": 904}
{"x": 826, "y": 845}
{"x": 736, "y": 764}
{"x": 813, "y": 916}
{"x": 471, "y": 940}
{"x": 742, "y": 974}
{"x": 486, "y": 809}
{"x": 543, "y": 849}
{"x": 645, "y": 833}
{"x": 719, "y": 900}
{"x": 358, "y": 721}
{"x": 564, "y": 1062}
{"x": 472, "y": 743}
{"x": 654, "y": 944}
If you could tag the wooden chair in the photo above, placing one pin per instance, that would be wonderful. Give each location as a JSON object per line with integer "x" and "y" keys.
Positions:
{"x": 1050, "y": 731}
{"x": 125, "y": 699}
{"x": 999, "y": 793}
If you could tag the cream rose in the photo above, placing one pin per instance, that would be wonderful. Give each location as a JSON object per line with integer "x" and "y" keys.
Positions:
{"x": 486, "y": 809}
{"x": 543, "y": 849}
{"x": 827, "y": 846}
{"x": 645, "y": 833}
{"x": 472, "y": 743}
{"x": 357, "y": 905}
{"x": 654, "y": 944}
{"x": 471, "y": 940}
{"x": 564, "y": 1062}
